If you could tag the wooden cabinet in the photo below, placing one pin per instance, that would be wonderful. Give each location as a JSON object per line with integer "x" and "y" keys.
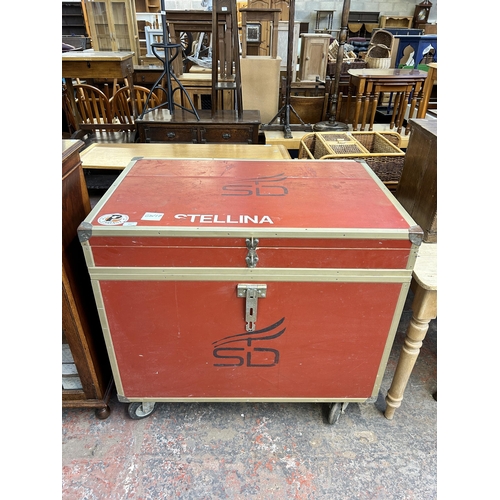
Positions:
{"x": 86, "y": 374}
{"x": 395, "y": 21}
{"x": 223, "y": 127}
{"x": 113, "y": 26}
{"x": 313, "y": 56}
{"x": 283, "y": 5}
{"x": 417, "y": 188}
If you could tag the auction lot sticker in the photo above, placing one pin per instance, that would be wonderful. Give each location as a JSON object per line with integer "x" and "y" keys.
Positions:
{"x": 112, "y": 219}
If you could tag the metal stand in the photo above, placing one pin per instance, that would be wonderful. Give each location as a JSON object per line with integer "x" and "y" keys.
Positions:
{"x": 332, "y": 124}
{"x": 284, "y": 112}
{"x": 167, "y": 73}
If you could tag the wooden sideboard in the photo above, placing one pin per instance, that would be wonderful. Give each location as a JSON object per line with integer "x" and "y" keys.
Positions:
{"x": 223, "y": 127}
{"x": 87, "y": 380}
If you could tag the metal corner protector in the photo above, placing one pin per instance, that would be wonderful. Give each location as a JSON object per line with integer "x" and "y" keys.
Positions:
{"x": 84, "y": 231}
{"x": 416, "y": 235}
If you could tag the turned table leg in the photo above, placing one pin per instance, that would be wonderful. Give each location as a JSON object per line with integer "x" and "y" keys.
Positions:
{"x": 424, "y": 309}
{"x": 369, "y": 96}
{"x": 376, "y": 96}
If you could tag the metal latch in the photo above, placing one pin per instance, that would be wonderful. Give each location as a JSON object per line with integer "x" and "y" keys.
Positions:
{"x": 252, "y": 257}
{"x": 251, "y": 293}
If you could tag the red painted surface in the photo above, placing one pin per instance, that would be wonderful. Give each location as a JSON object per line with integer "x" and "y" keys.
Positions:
{"x": 230, "y": 252}
{"x": 245, "y": 193}
{"x": 171, "y": 338}
{"x": 182, "y": 339}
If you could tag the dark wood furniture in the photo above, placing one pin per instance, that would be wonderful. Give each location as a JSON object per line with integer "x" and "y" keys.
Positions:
{"x": 421, "y": 14}
{"x": 193, "y": 21}
{"x": 74, "y": 30}
{"x": 361, "y": 24}
{"x": 223, "y": 127}
{"x": 417, "y": 188}
{"x": 223, "y": 26}
{"x": 87, "y": 380}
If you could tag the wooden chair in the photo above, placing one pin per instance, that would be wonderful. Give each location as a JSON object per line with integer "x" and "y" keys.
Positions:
{"x": 93, "y": 105}
{"x": 95, "y": 117}
{"x": 121, "y": 106}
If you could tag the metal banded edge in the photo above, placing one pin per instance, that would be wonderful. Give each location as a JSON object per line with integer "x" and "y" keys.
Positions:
{"x": 249, "y": 274}
{"x": 124, "y": 399}
{"x": 252, "y": 232}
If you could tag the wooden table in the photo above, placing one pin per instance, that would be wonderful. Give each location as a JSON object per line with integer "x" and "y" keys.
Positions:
{"x": 370, "y": 83}
{"x": 424, "y": 286}
{"x": 118, "y": 156}
{"x": 97, "y": 64}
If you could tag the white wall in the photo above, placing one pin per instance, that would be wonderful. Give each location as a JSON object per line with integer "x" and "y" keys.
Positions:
{"x": 305, "y": 9}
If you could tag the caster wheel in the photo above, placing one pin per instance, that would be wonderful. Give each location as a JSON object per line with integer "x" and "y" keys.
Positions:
{"x": 334, "y": 413}
{"x": 137, "y": 411}
{"x": 103, "y": 413}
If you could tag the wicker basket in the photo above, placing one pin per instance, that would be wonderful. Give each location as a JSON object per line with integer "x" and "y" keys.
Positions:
{"x": 377, "y": 149}
{"x": 382, "y": 37}
{"x": 378, "y": 57}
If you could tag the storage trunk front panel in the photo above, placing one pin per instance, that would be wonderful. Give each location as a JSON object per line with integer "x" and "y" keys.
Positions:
{"x": 172, "y": 240}
{"x": 188, "y": 339}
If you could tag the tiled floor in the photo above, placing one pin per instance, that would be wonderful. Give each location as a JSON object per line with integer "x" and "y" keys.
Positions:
{"x": 261, "y": 451}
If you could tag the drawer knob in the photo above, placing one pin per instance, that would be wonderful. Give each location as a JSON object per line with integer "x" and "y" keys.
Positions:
{"x": 171, "y": 135}
{"x": 226, "y": 136}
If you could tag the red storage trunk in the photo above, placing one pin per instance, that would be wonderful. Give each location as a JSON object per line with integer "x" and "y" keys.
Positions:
{"x": 241, "y": 280}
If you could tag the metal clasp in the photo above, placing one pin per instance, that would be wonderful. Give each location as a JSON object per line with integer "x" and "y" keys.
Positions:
{"x": 252, "y": 257}
{"x": 251, "y": 293}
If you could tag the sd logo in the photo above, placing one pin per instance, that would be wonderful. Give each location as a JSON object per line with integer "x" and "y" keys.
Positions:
{"x": 258, "y": 186}
{"x": 243, "y": 352}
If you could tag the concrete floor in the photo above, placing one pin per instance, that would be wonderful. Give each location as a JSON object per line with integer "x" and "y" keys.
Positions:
{"x": 261, "y": 451}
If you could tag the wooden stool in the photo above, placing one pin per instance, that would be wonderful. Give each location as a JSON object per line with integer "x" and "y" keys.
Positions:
{"x": 424, "y": 285}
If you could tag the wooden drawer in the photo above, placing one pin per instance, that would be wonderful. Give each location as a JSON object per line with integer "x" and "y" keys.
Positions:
{"x": 167, "y": 133}
{"x": 233, "y": 133}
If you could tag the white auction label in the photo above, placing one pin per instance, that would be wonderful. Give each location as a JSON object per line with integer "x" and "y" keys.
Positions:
{"x": 152, "y": 216}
